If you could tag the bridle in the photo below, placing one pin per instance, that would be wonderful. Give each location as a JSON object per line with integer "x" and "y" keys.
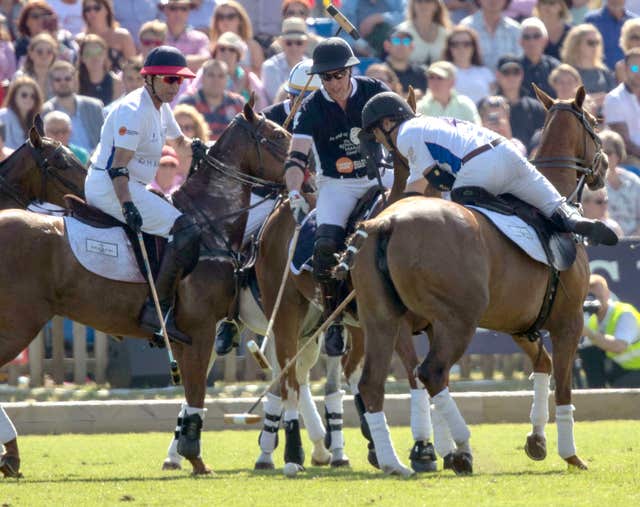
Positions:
{"x": 47, "y": 171}
{"x": 582, "y": 166}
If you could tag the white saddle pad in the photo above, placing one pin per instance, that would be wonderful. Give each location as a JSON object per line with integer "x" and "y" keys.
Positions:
{"x": 105, "y": 252}
{"x": 517, "y": 231}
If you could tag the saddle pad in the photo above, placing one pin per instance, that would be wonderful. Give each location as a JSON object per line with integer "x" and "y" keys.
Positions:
{"x": 517, "y": 231}
{"x": 105, "y": 252}
{"x": 304, "y": 249}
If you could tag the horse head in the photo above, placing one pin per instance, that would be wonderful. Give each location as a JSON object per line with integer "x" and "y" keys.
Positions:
{"x": 570, "y": 141}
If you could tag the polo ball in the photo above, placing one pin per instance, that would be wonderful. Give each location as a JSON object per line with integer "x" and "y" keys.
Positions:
{"x": 291, "y": 469}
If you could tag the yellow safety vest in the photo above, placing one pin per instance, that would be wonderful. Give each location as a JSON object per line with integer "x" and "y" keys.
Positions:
{"x": 630, "y": 358}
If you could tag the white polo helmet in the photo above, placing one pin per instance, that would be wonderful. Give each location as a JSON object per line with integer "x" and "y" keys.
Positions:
{"x": 299, "y": 76}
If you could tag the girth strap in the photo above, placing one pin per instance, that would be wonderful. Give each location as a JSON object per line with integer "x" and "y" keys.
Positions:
{"x": 533, "y": 333}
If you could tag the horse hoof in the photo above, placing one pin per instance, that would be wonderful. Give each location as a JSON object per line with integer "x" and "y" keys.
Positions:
{"x": 536, "y": 447}
{"x": 344, "y": 462}
{"x": 462, "y": 463}
{"x": 423, "y": 457}
{"x": 10, "y": 466}
{"x": 263, "y": 465}
{"x": 199, "y": 467}
{"x": 398, "y": 469}
{"x": 448, "y": 462}
{"x": 576, "y": 463}
{"x": 170, "y": 465}
{"x": 373, "y": 459}
{"x": 320, "y": 457}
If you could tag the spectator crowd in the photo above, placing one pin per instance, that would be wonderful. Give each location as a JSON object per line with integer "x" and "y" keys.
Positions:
{"x": 475, "y": 60}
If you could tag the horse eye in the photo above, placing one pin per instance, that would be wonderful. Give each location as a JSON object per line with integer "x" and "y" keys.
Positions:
{"x": 279, "y": 135}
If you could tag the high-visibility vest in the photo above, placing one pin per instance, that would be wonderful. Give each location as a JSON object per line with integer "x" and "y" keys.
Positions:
{"x": 630, "y": 358}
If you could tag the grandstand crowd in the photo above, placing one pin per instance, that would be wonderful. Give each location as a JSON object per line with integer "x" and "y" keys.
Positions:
{"x": 475, "y": 60}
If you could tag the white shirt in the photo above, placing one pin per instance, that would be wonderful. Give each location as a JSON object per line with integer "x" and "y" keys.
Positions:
{"x": 426, "y": 140}
{"x": 622, "y": 106}
{"x": 474, "y": 82}
{"x": 69, "y": 15}
{"x": 136, "y": 125}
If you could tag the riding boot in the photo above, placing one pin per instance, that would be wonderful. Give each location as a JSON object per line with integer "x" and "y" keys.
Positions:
{"x": 334, "y": 342}
{"x": 227, "y": 336}
{"x": 568, "y": 219}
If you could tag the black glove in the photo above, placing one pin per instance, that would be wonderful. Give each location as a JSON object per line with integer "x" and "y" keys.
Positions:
{"x": 198, "y": 149}
{"x": 132, "y": 216}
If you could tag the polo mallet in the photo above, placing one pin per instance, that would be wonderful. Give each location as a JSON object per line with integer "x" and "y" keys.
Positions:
{"x": 250, "y": 418}
{"x": 258, "y": 352}
{"x": 342, "y": 21}
{"x": 296, "y": 104}
{"x": 173, "y": 364}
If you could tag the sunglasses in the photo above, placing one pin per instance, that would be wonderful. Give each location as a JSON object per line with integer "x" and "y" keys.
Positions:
{"x": 330, "y": 76}
{"x": 182, "y": 8}
{"x": 43, "y": 51}
{"x": 151, "y": 42}
{"x": 26, "y": 95}
{"x": 94, "y": 8}
{"x": 531, "y": 36}
{"x": 67, "y": 79}
{"x": 229, "y": 16}
{"x": 296, "y": 14}
{"x": 461, "y": 44}
{"x": 401, "y": 41}
{"x": 39, "y": 15}
{"x": 511, "y": 72}
{"x": 294, "y": 43}
{"x": 227, "y": 49}
{"x": 634, "y": 68}
{"x": 592, "y": 42}
{"x": 172, "y": 79}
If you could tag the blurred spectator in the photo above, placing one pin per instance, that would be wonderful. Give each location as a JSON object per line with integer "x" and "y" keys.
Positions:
{"x": 152, "y": 34}
{"x": 167, "y": 179}
{"x": 583, "y": 49}
{"x": 441, "y": 99}
{"x": 100, "y": 20}
{"x": 498, "y": 34}
{"x": 565, "y": 80}
{"x": 192, "y": 124}
{"x": 623, "y": 186}
{"x": 200, "y": 14}
{"x": 131, "y": 14}
{"x": 230, "y": 16}
{"x": 192, "y": 43}
{"x": 4, "y": 150}
{"x": 427, "y": 23}
{"x": 494, "y": 112}
{"x": 298, "y": 9}
{"x": 37, "y": 17}
{"x": 527, "y": 114}
{"x": 10, "y": 10}
{"x": 384, "y": 73}
{"x": 519, "y": 9}
{"x": 94, "y": 77}
{"x": 399, "y": 47}
{"x": 229, "y": 48}
{"x": 609, "y": 20}
{"x": 536, "y": 65}
{"x": 131, "y": 80}
{"x": 556, "y": 18}
{"x": 265, "y": 15}
{"x": 57, "y": 126}
{"x": 578, "y": 10}
{"x": 7, "y": 52}
{"x": 460, "y": 9}
{"x": 595, "y": 205}
{"x": 473, "y": 79}
{"x": 69, "y": 14}
{"x": 41, "y": 53}
{"x": 275, "y": 70}
{"x": 22, "y": 103}
{"x": 85, "y": 112}
{"x": 218, "y": 105}
{"x": 375, "y": 20}
{"x": 629, "y": 39}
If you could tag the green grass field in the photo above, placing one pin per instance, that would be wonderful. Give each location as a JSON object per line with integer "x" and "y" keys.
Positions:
{"x": 78, "y": 470}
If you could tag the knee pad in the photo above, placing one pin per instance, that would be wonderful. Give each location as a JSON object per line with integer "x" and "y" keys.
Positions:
{"x": 329, "y": 239}
{"x": 186, "y": 241}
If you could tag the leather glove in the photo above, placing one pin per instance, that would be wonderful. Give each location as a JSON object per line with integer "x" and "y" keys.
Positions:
{"x": 299, "y": 206}
{"x": 198, "y": 149}
{"x": 132, "y": 216}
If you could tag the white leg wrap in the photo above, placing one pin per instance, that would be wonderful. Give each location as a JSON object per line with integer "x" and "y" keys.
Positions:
{"x": 353, "y": 381}
{"x": 290, "y": 414}
{"x": 442, "y": 440}
{"x": 333, "y": 404}
{"x": 310, "y": 415}
{"x": 564, "y": 421}
{"x": 193, "y": 410}
{"x": 272, "y": 407}
{"x": 7, "y": 429}
{"x": 420, "y": 416}
{"x": 386, "y": 454}
{"x": 172, "y": 452}
{"x": 444, "y": 404}
{"x": 540, "y": 406}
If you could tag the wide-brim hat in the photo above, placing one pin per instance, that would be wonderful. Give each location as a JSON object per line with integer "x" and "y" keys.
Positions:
{"x": 294, "y": 29}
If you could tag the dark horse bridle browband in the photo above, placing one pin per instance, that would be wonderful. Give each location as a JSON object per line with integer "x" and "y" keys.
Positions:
{"x": 581, "y": 165}
{"x": 46, "y": 170}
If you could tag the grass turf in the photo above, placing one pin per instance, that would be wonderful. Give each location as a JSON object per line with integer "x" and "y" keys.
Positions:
{"x": 78, "y": 470}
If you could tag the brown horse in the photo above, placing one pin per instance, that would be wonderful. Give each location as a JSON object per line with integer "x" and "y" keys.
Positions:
{"x": 49, "y": 281}
{"x": 434, "y": 283}
{"x": 40, "y": 170}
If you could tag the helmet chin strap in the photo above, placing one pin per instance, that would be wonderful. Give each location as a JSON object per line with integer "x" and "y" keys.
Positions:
{"x": 152, "y": 88}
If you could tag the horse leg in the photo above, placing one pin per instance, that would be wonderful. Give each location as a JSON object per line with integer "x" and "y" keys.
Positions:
{"x": 536, "y": 444}
{"x": 10, "y": 458}
{"x": 333, "y": 411}
{"x": 272, "y": 409}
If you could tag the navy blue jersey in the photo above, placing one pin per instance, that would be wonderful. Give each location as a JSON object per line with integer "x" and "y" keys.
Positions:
{"x": 278, "y": 113}
{"x": 334, "y": 131}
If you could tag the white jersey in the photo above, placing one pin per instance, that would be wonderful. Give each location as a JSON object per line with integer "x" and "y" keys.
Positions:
{"x": 137, "y": 125}
{"x": 427, "y": 140}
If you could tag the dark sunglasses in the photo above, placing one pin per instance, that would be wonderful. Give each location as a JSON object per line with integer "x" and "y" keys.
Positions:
{"x": 461, "y": 44}
{"x": 329, "y": 76}
{"x": 171, "y": 79}
{"x": 531, "y": 36}
{"x": 592, "y": 42}
{"x": 401, "y": 41}
{"x": 94, "y": 8}
{"x": 151, "y": 42}
{"x": 230, "y": 16}
{"x": 294, "y": 43}
{"x": 68, "y": 79}
{"x": 511, "y": 72}
{"x": 39, "y": 15}
{"x": 174, "y": 8}
{"x": 296, "y": 14}
{"x": 227, "y": 49}
{"x": 26, "y": 95}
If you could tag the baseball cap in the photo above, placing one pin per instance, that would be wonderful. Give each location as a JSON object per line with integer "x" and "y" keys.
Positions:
{"x": 443, "y": 69}
{"x": 509, "y": 61}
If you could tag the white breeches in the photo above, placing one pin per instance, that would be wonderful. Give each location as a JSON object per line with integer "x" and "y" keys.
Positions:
{"x": 158, "y": 215}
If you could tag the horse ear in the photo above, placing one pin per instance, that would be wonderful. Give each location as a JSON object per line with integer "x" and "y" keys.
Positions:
{"x": 580, "y": 96}
{"x": 411, "y": 98}
{"x": 252, "y": 99}
{"x": 249, "y": 113}
{"x": 547, "y": 101}
{"x": 35, "y": 137}
{"x": 39, "y": 124}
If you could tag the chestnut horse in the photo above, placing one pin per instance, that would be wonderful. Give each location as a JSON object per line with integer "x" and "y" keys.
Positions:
{"x": 451, "y": 271}
{"x": 49, "y": 281}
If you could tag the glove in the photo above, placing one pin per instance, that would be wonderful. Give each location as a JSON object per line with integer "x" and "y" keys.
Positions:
{"x": 132, "y": 216}
{"x": 198, "y": 149}
{"x": 299, "y": 207}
